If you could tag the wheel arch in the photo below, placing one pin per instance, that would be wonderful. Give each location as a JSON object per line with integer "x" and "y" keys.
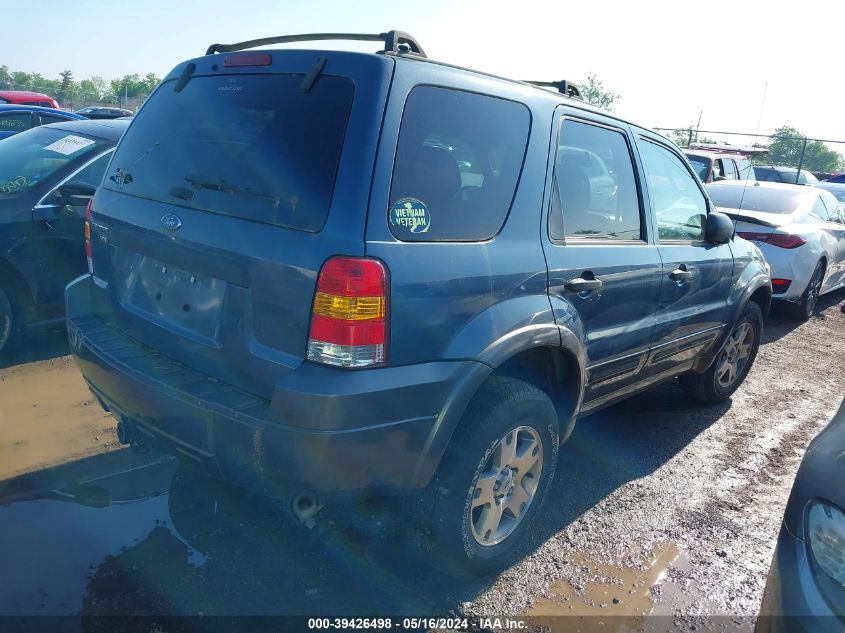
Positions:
{"x": 557, "y": 368}
{"x": 14, "y": 283}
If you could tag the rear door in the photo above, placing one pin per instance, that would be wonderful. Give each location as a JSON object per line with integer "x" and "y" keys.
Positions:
{"x": 58, "y": 231}
{"x": 600, "y": 253}
{"x": 697, "y": 275}
{"x": 226, "y": 195}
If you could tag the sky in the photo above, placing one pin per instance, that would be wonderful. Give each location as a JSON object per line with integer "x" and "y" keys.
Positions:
{"x": 671, "y": 61}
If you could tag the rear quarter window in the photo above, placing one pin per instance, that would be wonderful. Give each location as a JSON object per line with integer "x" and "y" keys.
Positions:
{"x": 457, "y": 165}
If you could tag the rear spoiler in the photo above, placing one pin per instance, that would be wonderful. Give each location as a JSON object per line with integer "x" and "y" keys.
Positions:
{"x": 739, "y": 217}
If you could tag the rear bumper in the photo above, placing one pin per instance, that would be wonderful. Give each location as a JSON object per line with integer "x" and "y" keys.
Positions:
{"x": 797, "y": 265}
{"x": 329, "y": 430}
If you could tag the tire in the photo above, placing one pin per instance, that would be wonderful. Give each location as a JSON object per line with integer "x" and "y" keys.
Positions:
{"x": 453, "y": 517}
{"x": 10, "y": 322}
{"x": 806, "y": 305}
{"x": 732, "y": 363}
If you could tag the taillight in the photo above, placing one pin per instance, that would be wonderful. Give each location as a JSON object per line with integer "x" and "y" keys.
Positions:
{"x": 88, "y": 237}
{"x": 779, "y": 286}
{"x": 786, "y": 240}
{"x": 349, "y": 315}
{"x": 781, "y": 240}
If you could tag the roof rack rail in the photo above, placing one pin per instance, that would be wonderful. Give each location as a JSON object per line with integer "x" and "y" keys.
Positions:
{"x": 563, "y": 86}
{"x": 395, "y": 42}
{"x": 724, "y": 148}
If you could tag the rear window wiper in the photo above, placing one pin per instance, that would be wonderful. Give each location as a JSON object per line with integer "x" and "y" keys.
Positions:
{"x": 198, "y": 182}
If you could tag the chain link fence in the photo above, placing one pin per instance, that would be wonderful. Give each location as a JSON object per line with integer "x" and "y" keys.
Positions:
{"x": 819, "y": 156}
{"x": 73, "y": 99}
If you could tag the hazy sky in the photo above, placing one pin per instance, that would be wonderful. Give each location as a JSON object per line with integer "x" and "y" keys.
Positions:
{"x": 669, "y": 60}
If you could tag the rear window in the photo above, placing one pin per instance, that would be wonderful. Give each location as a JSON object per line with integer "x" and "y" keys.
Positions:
{"x": 33, "y": 157}
{"x": 751, "y": 198}
{"x": 457, "y": 165}
{"x": 255, "y": 147}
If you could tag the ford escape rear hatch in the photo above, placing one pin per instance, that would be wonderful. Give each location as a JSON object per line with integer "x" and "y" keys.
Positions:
{"x": 216, "y": 212}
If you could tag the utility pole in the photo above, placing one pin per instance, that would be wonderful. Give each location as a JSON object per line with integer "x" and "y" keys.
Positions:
{"x": 801, "y": 160}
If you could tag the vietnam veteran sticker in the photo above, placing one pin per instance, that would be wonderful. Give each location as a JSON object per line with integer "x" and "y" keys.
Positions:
{"x": 410, "y": 214}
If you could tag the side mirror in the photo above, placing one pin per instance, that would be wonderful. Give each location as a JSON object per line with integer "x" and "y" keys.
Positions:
{"x": 718, "y": 228}
{"x": 76, "y": 192}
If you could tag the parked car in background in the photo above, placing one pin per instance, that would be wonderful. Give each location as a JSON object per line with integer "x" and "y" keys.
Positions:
{"x": 786, "y": 175}
{"x": 399, "y": 278}
{"x": 805, "y": 590}
{"x": 837, "y": 189}
{"x": 103, "y": 112}
{"x": 836, "y": 178}
{"x": 713, "y": 162}
{"x": 24, "y": 97}
{"x": 801, "y": 231}
{"x": 47, "y": 176}
{"x": 17, "y": 118}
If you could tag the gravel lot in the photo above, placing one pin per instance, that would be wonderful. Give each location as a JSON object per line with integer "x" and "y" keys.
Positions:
{"x": 658, "y": 507}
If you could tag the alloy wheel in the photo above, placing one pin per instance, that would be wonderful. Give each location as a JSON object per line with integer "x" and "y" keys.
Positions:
{"x": 735, "y": 354}
{"x": 510, "y": 475}
{"x": 813, "y": 291}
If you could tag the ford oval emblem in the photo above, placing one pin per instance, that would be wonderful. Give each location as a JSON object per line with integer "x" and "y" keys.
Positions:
{"x": 171, "y": 221}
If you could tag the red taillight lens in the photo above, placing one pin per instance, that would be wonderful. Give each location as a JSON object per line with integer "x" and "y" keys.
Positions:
{"x": 786, "y": 240}
{"x": 349, "y": 314}
{"x": 88, "y": 237}
{"x": 781, "y": 240}
{"x": 755, "y": 237}
{"x": 779, "y": 286}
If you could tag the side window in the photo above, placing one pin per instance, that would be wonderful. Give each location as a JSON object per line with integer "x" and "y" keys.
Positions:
{"x": 729, "y": 170}
{"x": 51, "y": 118}
{"x": 595, "y": 191}
{"x": 831, "y": 204}
{"x": 457, "y": 165}
{"x": 746, "y": 171}
{"x": 15, "y": 122}
{"x": 819, "y": 211}
{"x": 93, "y": 173}
{"x": 679, "y": 204}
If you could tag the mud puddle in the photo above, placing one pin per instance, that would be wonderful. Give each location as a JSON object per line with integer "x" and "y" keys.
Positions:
{"x": 610, "y": 597}
{"x": 48, "y": 417}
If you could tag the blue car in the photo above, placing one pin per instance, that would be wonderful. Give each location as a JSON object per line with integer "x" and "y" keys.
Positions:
{"x": 17, "y": 118}
{"x": 333, "y": 273}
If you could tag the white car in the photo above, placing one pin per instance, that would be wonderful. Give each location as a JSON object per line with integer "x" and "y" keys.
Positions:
{"x": 801, "y": 231}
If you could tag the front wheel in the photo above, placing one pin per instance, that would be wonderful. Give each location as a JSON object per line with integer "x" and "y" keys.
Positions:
{"x": 493, "y": 479}
{"x": 733, "y": 362}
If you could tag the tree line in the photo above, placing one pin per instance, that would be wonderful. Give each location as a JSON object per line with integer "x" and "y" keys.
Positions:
{"x": 69, "y": 91}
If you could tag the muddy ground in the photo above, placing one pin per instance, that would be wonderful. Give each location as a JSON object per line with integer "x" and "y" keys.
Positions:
{"x": 659, "y": 507}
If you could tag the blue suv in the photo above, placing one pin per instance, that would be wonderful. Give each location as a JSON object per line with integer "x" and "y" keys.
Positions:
{"x": 338, "y": 273}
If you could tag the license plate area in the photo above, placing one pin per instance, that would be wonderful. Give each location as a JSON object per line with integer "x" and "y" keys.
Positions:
{"x": 176, "y": 299}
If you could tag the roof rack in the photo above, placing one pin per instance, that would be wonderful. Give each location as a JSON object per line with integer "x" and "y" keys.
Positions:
{"x": 395, "y": 42}
{"x": 563, "y": 86}
{"x": 724, "y": 148}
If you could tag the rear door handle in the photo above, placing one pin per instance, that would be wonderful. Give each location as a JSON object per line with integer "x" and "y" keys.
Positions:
{"x": 680, "y": 274}
{"x": 579, "y": 284}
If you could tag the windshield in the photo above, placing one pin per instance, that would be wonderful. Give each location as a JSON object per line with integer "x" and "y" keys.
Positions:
{"x": 256, "y": 147}
{"x": 32, "y": 157}
{"x": 700, "y": 164}
{"x": 751, "y": 198}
